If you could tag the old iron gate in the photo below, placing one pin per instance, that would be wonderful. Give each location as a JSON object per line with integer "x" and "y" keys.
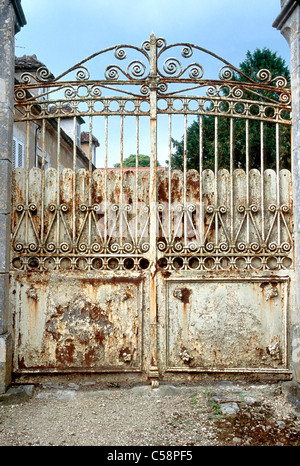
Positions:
{"x": 168, "y": 272}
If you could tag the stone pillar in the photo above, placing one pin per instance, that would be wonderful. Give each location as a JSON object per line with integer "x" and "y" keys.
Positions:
{"x": 288, "y": 23}
{"x": 11, "y": 19}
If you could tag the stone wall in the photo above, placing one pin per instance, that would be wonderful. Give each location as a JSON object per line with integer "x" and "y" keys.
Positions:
{"x": 11, "y": 19}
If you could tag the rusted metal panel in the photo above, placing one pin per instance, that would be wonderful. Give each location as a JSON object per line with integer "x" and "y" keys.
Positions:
{"x": 227, "y": 324}
{"x": 66, "y": 323}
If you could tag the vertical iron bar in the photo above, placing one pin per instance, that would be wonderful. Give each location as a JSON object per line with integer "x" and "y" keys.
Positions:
{"x": 90, "y": 157}
{"x": 27, "y": 181}
{"x": 121, "y": 181}
{"x": 247, "y": 181}
{"x": 43, "y": 181}
{"x": 278, "y": 182}
{"x": 231, "y": 182}
{"x": 74, "y": 180}
{"x": 216, "y": 181}
{"x": 170, "y": 180}
{"x": 105, "y": 183}
{"x": 262, "y": 170}
{"x": 58, "y": 182}
{"x": 201, "y": 226}
{"x": 90, "y": 180}
{"x": 185, "y": 180}
{"x": 137, "y": 178}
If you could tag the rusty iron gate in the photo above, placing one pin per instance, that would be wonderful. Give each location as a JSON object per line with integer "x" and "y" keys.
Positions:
{"x": 167, "y": 272}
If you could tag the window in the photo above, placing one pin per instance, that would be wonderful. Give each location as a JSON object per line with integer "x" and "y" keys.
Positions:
{"x": 18, "y": 153}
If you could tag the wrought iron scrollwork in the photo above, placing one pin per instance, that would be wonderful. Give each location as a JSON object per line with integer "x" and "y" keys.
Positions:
{"x": 174, "y": 69}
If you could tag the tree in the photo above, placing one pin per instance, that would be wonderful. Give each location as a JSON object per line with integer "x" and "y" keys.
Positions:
{"x": 130, "y": 161}
{"x": 259, "y": 59}
{"x": 253, "y": 63}
{"x": 263, "y": 59}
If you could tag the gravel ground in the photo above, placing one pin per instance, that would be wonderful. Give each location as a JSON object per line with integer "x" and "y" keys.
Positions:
{"x": 219, "y": 414}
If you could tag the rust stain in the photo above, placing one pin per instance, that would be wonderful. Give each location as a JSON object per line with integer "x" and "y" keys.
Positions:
{"x": 115, "y": 195}
{"x": 185, "y": 295}
{"x": 65, "y": 354}
{"x": 89, "y": 357}
{"x": 184, "y": 329}
{"x": 113, "y": 280}
{"x": 21, "y": 363}
{"x": 165, "y": 273}
{"x": 162, "y": 190}
{"x": 86, "y": 333}
{"x": 193, "y": 184}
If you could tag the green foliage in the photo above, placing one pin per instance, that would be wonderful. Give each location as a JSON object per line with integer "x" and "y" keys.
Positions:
{"x": 213, "y": 404}
{"x": 144, "y": 161}
{"x": 264, "y": 59}
{"x": 259, "y": 59}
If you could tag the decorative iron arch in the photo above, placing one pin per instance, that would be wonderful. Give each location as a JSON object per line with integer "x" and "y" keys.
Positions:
{"x": 150, "y": 73}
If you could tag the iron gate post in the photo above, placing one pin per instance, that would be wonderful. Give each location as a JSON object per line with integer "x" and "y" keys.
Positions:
{"x": 153, "y": 372}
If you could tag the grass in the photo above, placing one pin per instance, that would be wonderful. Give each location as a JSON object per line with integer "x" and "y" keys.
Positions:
{"x": 214, "y": 405}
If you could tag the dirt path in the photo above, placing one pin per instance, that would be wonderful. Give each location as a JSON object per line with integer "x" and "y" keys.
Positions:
{"x": 199, "y": 415}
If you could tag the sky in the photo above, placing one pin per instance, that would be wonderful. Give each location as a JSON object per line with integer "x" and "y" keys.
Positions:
{"x": 63, "y": 32}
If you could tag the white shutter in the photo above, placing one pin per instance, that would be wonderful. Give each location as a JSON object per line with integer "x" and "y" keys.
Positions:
{"x": 18, "y": 153}
{"x": 14, "y": 152}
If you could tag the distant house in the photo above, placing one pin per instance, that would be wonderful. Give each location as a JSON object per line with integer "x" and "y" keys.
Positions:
{"x": 30, "y": 64}
{"x": 85, "y": 144}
